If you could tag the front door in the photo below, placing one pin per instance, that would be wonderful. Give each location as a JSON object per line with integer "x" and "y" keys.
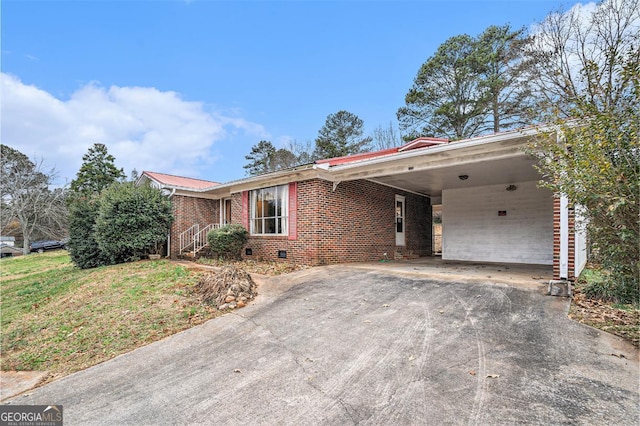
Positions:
{"x": 226, "y": 211}
{"x": 400, "y": 223}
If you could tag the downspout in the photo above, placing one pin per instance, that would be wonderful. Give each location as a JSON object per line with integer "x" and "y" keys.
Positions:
{"x": 173, "y": 191}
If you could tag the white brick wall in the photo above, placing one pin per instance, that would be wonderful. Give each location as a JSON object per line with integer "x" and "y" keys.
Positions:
{"x": 472, "y": 229}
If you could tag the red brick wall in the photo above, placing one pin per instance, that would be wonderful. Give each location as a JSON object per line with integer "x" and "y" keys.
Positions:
{"x": 556, "y": 237}
{"x": 354, "y": 223}
{"x": 571, "y": 265}
{"x": 572, "y": 244}
{"x": 188, "y": 211}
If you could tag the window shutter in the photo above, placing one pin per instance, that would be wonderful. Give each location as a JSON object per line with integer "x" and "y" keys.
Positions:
{"x": 293, "y": 211}
{"x": 245, "y": 209}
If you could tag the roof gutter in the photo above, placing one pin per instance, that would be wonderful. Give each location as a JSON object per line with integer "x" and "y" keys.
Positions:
{"x": 281, "y": 177}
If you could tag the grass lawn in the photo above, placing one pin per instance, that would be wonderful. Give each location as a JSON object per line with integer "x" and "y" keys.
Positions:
{"x": 58, "y": 318}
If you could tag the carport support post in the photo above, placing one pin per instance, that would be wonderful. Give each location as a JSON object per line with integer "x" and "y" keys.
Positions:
{"x": 563, "y": 238}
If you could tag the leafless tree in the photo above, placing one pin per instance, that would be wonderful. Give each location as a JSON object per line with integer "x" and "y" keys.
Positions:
{"x": 576, "y": 55}
{"x": 303, "y": 151}
{"x": 28, "y": 200}
{"x": 386, "y": 137}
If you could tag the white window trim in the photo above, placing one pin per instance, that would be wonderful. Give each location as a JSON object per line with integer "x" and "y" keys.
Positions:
{"x": 285, "y": 210}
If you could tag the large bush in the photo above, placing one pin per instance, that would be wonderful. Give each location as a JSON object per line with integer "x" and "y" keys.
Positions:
{"x": 227, "y": 241}
{"x": 132, "y": 220}
{"x": 82, "y": 244}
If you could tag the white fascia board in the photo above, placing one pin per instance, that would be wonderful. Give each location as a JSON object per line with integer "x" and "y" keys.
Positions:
{"x": 269, "y": 179}
{"x": 428, "y": 161}
{"x": 161, "y": 185}
{"x": 452, "y": 146}
{"x": 189, "y": 192}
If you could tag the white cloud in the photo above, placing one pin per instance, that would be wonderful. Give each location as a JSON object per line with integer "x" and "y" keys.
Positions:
{"x": 589, "y": 26}
{"x": 142, "y": 127}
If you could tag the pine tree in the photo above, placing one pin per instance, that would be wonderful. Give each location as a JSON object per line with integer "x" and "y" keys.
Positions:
{"x": 341, "y": 135}
{"x": 96, "y": 173}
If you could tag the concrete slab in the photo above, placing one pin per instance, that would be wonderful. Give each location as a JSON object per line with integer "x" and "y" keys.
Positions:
{"x": 13, "y": 383}
{"x": 532, "y": 277}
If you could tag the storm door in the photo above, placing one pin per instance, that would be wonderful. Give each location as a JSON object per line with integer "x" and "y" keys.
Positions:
{"x": 400, "y": 222}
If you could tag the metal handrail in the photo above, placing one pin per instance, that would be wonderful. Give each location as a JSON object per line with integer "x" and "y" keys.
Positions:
{"x": 200, "y": 237}
{"x": 186, "y": 238}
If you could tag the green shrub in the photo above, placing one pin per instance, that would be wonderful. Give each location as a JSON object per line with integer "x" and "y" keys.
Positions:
{"x": 82, "y": 245}
{"x": 227, "y": 241}
{"x": 611, "y": 290}
{"x": 609, "y": 287}
{"x": 131, "y": 221}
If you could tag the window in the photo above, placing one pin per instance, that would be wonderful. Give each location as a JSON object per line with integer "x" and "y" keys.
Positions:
{"x": 269, "y": 210}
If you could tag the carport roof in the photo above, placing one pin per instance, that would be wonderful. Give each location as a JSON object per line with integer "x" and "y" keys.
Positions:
{"x": 487, "y": 160}
{"x": 425, "y": 166}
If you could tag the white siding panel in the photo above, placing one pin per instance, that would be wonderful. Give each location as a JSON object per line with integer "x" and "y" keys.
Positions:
{"x": 472, "y": 229}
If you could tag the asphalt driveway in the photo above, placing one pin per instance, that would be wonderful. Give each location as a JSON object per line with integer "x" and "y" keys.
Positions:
{"x": 343, "y": 345}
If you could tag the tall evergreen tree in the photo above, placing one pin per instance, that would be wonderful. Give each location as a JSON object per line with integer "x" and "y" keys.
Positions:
{"x": 471, "y": 86}
{"x": 500, "y": 61}
{"x": 341, "y": 135}
{"x": 97, "y": 172}
{"x": 264, "y": 158}
{"x": 446, "y": 99}
{"x": 260, "y": 158}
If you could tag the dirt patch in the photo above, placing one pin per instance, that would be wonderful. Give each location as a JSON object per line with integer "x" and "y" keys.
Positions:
{"x": 606, "y": 317}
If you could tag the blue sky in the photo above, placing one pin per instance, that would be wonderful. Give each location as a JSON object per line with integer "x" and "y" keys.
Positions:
{"x": 188, "y": 87}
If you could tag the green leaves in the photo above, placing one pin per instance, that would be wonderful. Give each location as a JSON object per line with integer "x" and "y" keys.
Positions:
{"x": 341, "y": 135}
{"x": 227, "y": 241}
{"x": 264, "y": 158}
{"x": 122, "y": 224}
{"x": 112, "y": 221}
{"x": 468, "y": 87}
{"x": 132, "y": 220}
{"x": 96, "y": 173}
{"x": 597, "y": 165}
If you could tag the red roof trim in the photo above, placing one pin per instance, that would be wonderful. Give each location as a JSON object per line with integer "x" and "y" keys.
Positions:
{"x": 422, "y": 142}
{"x": 414, "y": 144}
{"x": 179, "y": 181}
{"x": 357, "y": 157}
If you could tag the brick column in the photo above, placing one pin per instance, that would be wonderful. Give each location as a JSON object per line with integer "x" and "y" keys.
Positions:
{"x": 556, "y": 237}
{"x": 572, "y": 244}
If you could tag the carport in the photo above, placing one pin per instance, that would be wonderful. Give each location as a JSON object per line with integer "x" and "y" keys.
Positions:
{"x": 492, "y": 207}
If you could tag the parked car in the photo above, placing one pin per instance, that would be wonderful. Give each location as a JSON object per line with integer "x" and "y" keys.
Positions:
{"x": 41, "y": 246}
